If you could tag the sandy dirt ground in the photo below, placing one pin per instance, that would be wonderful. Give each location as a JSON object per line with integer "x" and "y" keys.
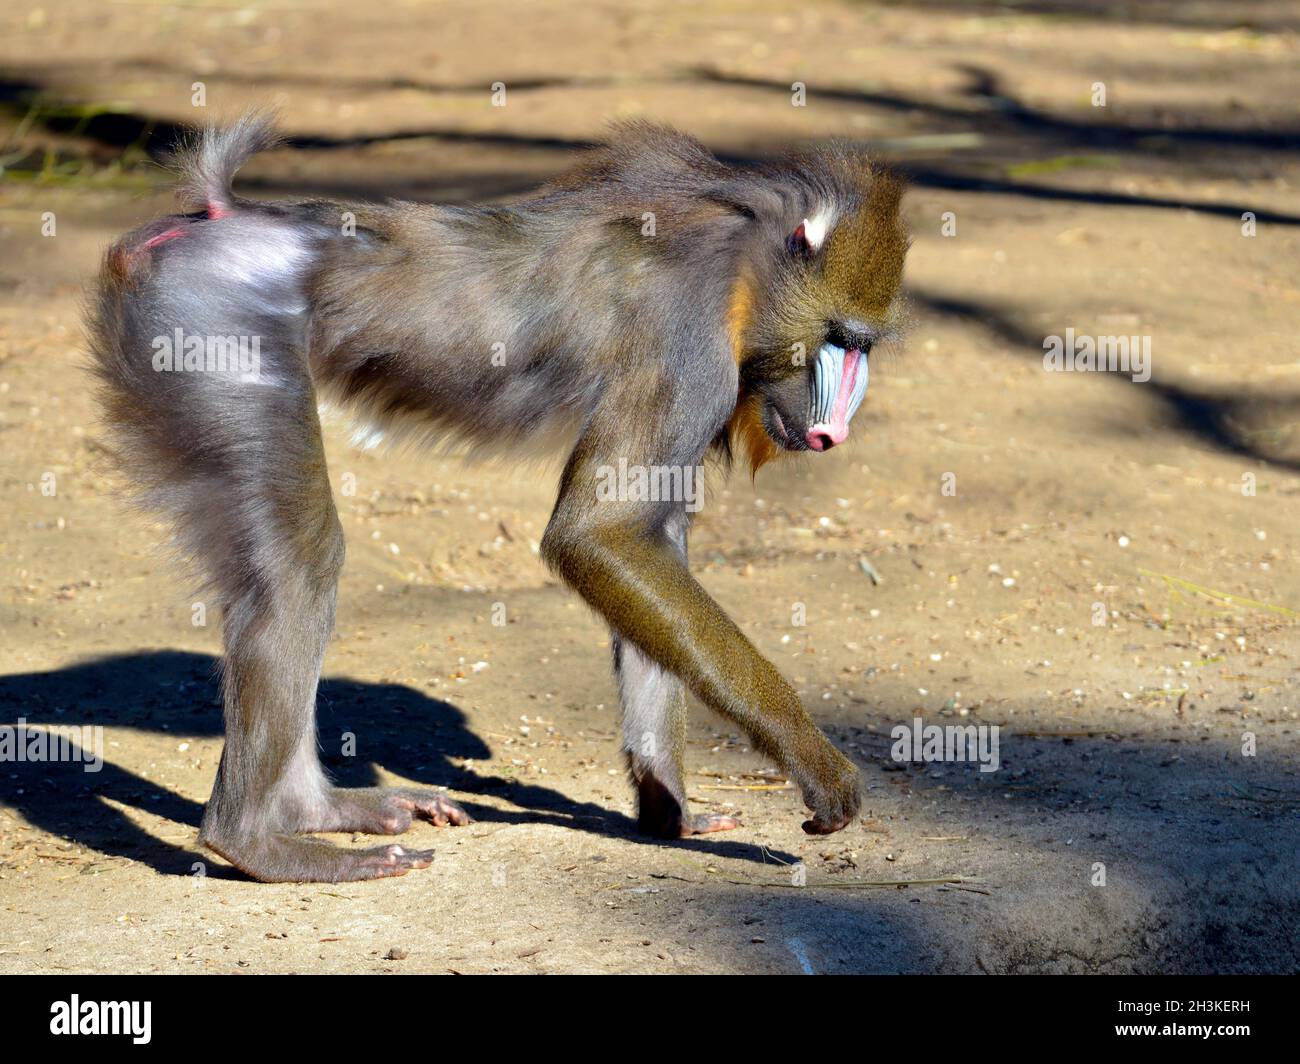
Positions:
{"x": 1102, "y": 568}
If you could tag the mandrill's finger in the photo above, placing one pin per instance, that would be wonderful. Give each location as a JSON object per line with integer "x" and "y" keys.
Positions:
{"x": 437, "y": 809}
{"x": 390, "y": 861}
{"x": 826, "y": 827}
{"x": 405, "y": 859}
{"x": 451, "y": 813}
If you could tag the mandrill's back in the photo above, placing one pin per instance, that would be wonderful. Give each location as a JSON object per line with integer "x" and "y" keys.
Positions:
{"x": 477, "y": 326}
{"x": 424, "y": 313}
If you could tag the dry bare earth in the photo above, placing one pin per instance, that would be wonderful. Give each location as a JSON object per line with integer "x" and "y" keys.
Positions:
{"x": 1122, "y": 743}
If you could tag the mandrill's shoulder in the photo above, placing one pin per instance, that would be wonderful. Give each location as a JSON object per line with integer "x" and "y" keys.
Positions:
{"x": 639, "y": 156}
{"x": 661, "y": 182}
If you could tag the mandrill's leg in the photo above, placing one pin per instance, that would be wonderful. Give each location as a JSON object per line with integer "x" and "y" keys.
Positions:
{"x": 258, "y": 507}
{"x": 654, "y": 740}
{"x": 278, "y": 593}
{"x": 654, "y": 734}
{"x": 621, "y": 557}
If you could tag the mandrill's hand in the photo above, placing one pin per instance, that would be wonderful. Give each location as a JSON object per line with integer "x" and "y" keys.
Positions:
{"x": 834, "y": 794}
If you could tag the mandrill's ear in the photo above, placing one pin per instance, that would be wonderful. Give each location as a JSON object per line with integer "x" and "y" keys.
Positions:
{"x": 808, "y": 237}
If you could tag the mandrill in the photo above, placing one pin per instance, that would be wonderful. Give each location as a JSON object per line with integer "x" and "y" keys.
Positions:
{"x": 652, "y": 301}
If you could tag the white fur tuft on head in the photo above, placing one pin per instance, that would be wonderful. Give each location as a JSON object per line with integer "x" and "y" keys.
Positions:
{"x": 814, "y": 229}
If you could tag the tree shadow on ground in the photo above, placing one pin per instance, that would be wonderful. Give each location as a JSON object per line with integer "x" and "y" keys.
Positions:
{"x": 1018, "y": 128}
{"x": 1175, "y": 14}
{"x": 995, "y": 109}
{"x": 1216, "y": 420}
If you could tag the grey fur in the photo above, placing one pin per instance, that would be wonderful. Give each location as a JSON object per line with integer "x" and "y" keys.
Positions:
{"x": 606, "y": 332}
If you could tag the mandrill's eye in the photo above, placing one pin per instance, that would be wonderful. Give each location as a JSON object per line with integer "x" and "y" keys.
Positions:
{"x": 850, "y": 335}
{"x": 838, "y": 384}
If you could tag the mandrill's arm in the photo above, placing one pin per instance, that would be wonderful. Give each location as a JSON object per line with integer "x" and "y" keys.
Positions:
{"x": 619, "y": 556}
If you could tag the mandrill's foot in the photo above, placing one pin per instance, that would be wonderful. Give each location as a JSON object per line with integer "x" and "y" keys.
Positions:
{"x": 290, "y": 859}
{"x": 661, "y": 811}
{"x": 385, "y": 810}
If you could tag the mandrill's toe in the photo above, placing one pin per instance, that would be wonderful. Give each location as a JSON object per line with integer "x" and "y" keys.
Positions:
{"x": 704, "y": 823}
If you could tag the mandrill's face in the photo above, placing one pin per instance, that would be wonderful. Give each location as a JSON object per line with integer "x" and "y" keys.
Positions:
{"x": 811, "y": 411}
{"x": 833, "y": 295}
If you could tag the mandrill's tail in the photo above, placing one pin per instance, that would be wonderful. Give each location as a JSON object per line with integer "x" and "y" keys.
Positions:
{"x": 207, "y": 164}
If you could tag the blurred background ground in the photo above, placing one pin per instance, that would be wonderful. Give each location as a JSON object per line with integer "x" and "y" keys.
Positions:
{"x": 1122, "y": 742}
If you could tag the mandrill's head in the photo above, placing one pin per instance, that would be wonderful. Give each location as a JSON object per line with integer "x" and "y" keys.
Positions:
{"x": 818, "y": 287}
